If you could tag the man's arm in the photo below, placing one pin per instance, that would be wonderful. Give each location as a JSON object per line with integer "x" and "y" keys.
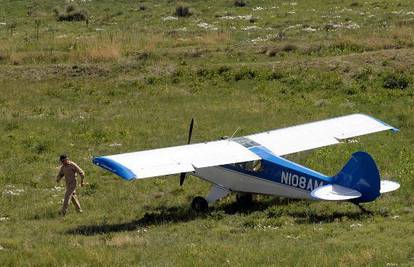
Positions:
{"x": 59, "y": 175}
{"x": 79, "y": 171}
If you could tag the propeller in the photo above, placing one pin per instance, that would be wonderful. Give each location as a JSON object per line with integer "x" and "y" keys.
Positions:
{"x": 190, "y": 133}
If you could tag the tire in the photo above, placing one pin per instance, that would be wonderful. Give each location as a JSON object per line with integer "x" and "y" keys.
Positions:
{"x": 199, "y": 204}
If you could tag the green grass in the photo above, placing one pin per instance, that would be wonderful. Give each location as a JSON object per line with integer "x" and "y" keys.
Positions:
{"x": 136, "y": 84}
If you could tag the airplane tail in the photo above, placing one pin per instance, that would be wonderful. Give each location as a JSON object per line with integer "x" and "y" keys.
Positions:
{"x": 361, "y": 174}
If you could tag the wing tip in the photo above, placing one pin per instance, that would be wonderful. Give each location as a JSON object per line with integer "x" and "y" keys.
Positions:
{"x": 392, "y": 128}
{"x": 114, "y": 167}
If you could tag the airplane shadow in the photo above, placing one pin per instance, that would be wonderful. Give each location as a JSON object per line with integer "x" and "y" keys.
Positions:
{"x": 163, "y": 214}
{"x": 314, "y": 218}
{"x": 158, "y": 215}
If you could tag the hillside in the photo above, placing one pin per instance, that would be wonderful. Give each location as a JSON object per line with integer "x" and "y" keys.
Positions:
{"x": 95, "y": 78}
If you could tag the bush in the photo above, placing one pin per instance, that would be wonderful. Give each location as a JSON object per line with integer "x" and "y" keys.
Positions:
{"x": 346, "y": 46}
{"x": 271, "y": 52}
{"x": 245, "y": 74}
{"x": 239, "y": 3}
{"x": 274, "y": 75}
{"x": 70, "y": 13}
{"x": 289, "y": 48}
{"x": 182, "y": 11}
{"x": 3, "y": 56}
{"x": 395, "y": 81}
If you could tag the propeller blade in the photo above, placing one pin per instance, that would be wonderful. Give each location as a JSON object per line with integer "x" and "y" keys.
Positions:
{"x": 182, "y": 177}
{"x": 190, "y": 133}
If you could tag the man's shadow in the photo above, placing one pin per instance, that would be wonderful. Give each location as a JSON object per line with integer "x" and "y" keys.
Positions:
{"x": 175, "y": 214}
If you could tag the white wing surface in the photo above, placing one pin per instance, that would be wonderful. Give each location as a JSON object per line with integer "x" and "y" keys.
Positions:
{"x": 318, "y": 134}
{"x": 172, "y": 160}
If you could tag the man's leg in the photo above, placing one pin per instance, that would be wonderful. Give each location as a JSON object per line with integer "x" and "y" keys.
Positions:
{"x": 68, "y": 196}
{"x": 75, "y": 202}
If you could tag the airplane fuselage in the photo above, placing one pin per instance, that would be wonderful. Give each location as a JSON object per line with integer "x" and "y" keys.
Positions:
{"x": 272, "y": 175}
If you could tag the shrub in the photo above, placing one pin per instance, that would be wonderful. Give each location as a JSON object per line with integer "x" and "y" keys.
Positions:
{"x": 239, "y": 3}
{"x": 182, "y": 11}
{"x": 225, "y": 73}
{"x": 274, "y": 75}
{"x": 245, "y": 74}
{"x": 395, "y": 81}
{"x": 70, "y": 13}
{"x": 40, "y": 148}
{"x": 346, "y": 46}
{"x": 3, "y": 56}
{"x": 289, "y": 48}
{"x": 271, "y": 52}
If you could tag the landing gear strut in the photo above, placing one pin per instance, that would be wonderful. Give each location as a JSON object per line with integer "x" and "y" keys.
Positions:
{"x": 199, "y": 204}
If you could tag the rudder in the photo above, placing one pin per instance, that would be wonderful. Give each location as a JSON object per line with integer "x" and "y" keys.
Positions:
{"x": 360, "y": 173}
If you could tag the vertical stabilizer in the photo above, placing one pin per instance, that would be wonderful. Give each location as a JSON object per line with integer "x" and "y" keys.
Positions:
{"x": 361, "y": 174}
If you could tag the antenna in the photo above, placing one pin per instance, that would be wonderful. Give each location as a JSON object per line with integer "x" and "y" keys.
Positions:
{"x": 231, "y": 137}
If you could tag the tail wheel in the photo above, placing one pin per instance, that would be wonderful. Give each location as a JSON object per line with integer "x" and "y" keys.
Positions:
{"x": 199, "y": 204}
{"x": 244, "y": 199}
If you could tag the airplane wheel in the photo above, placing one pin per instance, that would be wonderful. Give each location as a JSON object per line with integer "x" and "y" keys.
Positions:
{"x": 244, "y": 199}
{"x": 199, "y": 204}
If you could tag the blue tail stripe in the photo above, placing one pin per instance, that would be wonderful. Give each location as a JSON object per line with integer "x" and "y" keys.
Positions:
{"x": 266, "y": 154}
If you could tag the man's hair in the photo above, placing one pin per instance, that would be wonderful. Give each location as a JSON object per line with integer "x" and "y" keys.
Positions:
{"x": 63, "y": 157}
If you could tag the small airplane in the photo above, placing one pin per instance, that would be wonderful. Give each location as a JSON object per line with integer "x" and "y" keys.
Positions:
{"x": 254, "y": 164}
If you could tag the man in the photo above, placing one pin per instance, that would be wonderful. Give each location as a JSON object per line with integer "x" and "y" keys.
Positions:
{"x": 69, "y": 169}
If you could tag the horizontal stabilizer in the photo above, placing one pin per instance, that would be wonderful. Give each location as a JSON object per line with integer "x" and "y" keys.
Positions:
{"x": 388, "y": 186}
{"x": 335, "y": 192}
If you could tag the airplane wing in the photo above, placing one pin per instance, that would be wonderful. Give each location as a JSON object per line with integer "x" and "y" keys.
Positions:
{"x": 172, "y": 160}
{"x": 318, "y": 134}
{"x": 187, "y": 158}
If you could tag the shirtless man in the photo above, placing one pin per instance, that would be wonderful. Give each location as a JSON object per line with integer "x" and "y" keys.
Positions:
{"x": 69, "y": 169}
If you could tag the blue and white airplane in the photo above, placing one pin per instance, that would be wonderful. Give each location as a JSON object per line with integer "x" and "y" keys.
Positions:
{"x": 254, "y": 164}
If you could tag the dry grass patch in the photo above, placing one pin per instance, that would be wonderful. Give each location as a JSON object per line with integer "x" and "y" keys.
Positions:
{"x": 153, "y": 42}
{"x": 96, "y": 52}
{"x": 107, "y": 52}
{"x": 202, "y": 39}
{"x": 213, "y": 38}
{"x": 403, "y": 36}
{"x": 16, "y": 58}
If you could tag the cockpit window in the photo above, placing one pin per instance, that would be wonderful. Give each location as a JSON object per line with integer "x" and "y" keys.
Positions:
{"x": 253, "y": 166}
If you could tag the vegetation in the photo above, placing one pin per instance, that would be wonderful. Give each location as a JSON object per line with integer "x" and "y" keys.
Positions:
{"x": 70, "y": 13}
{"x": 182, "y": 11}
{"x": 133, "y": 77}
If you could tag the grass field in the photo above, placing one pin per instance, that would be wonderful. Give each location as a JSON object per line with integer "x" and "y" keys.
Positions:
{"x": 133, "y": 75}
